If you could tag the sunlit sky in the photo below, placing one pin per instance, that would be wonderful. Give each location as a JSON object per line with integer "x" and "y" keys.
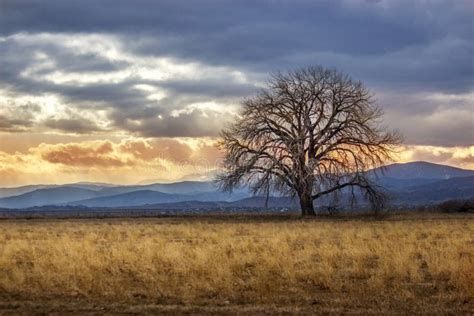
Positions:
{"x": 137, "y": 91}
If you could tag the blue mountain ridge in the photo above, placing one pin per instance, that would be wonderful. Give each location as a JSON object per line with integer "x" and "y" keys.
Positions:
{"x": 410, "y": 183}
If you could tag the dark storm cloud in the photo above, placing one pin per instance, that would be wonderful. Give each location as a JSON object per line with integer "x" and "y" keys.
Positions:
{"x": 405, "y": 48}
{"x": 78, "y": 126}
{"x": 17, "y": 118}
{"x": 18, "y": 55}
{"x": 116, "y": 95}
{"x": 196, "y": 123}
{"x": 431, "y": 119}
{"x": 13, "y": 125}
{"x": 215, "y": 89}
{"x": 269, "y": 35}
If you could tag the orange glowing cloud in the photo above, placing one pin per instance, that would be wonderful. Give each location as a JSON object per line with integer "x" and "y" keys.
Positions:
{"x": 462, "y": 157}
{"x": 95, "y": 154}
{"x": 127, "y": 161}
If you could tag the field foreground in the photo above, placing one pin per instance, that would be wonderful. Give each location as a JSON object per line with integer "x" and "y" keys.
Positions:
{"x": 238, "y": 264}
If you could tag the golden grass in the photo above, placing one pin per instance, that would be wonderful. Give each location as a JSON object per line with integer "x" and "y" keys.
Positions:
{"x": 408, "y": 265}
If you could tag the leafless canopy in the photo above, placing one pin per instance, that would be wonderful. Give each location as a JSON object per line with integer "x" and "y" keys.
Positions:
{"x": 312, "y": 132}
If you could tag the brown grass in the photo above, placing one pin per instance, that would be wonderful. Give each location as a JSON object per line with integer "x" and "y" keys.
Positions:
{"x": 326, "y": 265}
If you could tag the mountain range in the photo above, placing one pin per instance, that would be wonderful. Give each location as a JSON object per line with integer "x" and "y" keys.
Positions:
{"x": 415, "y": 183}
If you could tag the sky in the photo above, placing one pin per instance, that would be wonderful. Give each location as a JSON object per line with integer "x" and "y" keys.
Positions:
{"x": 137, "y": 91}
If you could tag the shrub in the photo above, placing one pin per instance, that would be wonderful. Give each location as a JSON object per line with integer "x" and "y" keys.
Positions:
{"x": 456, "y": 206}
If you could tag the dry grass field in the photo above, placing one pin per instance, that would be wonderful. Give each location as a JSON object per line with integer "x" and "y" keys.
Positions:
{"x": 238, "y": 265}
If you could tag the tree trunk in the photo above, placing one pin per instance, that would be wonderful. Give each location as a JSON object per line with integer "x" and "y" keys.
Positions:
{"x": 306, "y": 203}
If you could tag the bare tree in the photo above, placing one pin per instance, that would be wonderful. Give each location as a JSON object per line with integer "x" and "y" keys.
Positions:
{"x": 311, "y": 133}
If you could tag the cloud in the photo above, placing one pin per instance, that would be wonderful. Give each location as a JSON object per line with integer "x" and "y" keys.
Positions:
{"x": 148, "y": 150}
{"x": 436, "y": 119}
{"x": 16, "y": 118}
{"x": 126, "y": 161}
{"x": 397, "y": 39}
{"x": 96, "y": 154}
{"x": 144, "y": 76}
{"x": 79, "y": 126}
{"x": 13, "y": 125}
{"x": 138, "y": 96}
{"x": 454, "y": 156}
{"x": 196, "y": 123}
{"x": 132, "y": 152}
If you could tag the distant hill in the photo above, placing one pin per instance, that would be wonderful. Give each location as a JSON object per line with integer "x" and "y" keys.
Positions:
{"x": 96, "y": 195}
{"x": 135, "y": 198}
{"x": 148, "y": 197}
{"x": 422, "y": 170}
{"x": 6, "y": 192}
{"x": 435, "y": 192}
{"x": 184, "y": 187}
{"x": 49, "y": 196}
{"x": 203, "y": 176}
{"x": 95, "y": 186}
